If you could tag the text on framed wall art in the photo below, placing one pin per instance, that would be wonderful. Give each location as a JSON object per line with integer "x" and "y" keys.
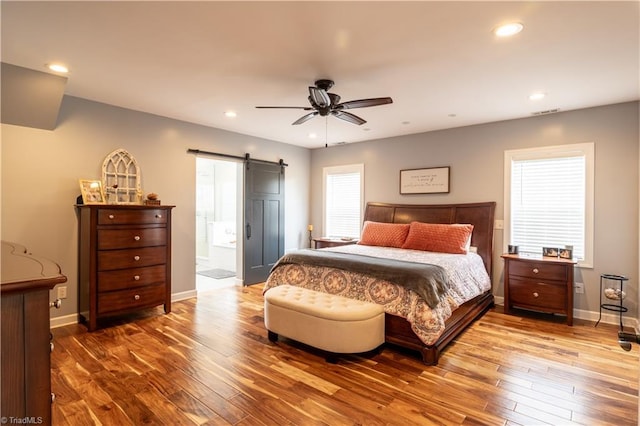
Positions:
{"x": 424, "y": 181}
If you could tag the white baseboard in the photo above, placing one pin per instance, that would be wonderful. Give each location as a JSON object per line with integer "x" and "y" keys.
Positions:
{"x": 607, "y": 318}
{"x": 61, "y": 321}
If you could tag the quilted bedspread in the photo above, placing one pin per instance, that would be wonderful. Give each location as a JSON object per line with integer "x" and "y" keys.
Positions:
{"x": 466, "y": 275}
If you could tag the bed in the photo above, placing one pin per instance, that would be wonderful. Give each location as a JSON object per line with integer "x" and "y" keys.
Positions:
{"x": 412, "y": 321}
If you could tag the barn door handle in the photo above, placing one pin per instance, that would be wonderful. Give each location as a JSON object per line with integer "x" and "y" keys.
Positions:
{"x": 248, "y": 231}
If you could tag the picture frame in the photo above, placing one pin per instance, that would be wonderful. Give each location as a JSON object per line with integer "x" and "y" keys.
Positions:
{"x": 565, "y": 253}
{"x": 91, "y": 191}
{"x": 550, "y": 251}
{"x": 431, "y": 180}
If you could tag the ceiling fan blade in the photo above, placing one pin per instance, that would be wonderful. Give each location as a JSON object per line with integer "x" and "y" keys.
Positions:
{"x": 362, "y": 103}
{"x": 305, "y": 118}
{"x": 347, "y": 116}
{"x": 319, "y": 97}
{"x": 286, "y": 107}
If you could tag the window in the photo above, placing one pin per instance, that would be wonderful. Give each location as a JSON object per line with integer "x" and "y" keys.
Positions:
{"x": 343, "y": 194}
{"x": 549, "y": 199}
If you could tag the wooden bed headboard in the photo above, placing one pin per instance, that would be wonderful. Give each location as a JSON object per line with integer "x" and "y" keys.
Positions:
{"x": 480, "y": 215}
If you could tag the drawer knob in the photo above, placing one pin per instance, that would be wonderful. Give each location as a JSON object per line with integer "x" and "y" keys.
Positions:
{"x": 51, "y": 346}
{"x": 136, "y": 257}
{"x": 137, "y": 238}
{"x": 53, "y": 397}
{"x": 136, "y": 277}
{"x": 136, "y": 297}
{"x": 111, "y": 216}
{"x": 535, "y": 294}
{"x": 159, "y": 216}
{"x": 55, "y": 304}
{"x": 536, "y": 270}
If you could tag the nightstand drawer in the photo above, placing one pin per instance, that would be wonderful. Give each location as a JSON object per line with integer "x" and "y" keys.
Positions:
{"x": 538, "y": 295}
{"x": 539, "y": 271}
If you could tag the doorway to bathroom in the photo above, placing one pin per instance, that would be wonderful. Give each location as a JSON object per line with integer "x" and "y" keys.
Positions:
{"x": 217, "y": 204}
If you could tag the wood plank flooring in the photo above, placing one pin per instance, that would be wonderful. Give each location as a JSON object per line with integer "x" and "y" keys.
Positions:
{"x": 210, "y": 362}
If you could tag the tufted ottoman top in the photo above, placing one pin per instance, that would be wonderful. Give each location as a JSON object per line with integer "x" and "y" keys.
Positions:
{"x": 321, "y": 305}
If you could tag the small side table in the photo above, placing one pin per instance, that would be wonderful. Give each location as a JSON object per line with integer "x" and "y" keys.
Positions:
{"x": 333, "y": 242}
{"x": 617, "y": 294}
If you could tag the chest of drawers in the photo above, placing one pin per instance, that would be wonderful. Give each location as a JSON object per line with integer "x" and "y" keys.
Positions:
{"x": 25, "y": 344}
{"x": 124, "y": 260}
{"x": 539, "y": 284}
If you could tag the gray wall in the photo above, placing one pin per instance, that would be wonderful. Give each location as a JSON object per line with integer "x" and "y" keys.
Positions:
{"x": 476, "y": 153}
{"x": 41, "y": 168}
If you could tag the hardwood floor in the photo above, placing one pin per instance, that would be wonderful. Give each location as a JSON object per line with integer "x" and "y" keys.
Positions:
{"x": 209, "y": 362}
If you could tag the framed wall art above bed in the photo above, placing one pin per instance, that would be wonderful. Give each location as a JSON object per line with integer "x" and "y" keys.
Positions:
{"x": 433, "y": 180}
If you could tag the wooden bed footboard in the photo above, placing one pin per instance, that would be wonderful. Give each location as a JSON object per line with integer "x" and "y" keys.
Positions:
{"x": 398, "y": 330}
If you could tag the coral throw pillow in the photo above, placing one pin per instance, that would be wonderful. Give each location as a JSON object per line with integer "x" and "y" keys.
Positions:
{"x": 439, "y": 237}
{"x": 384, "y": 234}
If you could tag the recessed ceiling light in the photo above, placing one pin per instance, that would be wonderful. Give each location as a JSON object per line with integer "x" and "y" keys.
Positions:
{"x": 537, "y": 96}
{"x": 230, "y": 114}
{"x": 453, "y": 115}
{"x": 507, "y": 30}
{"x": 313, "y": 135}
{"x": 58, "y": 68}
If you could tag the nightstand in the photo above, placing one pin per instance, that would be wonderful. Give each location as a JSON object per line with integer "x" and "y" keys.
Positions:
{"x": 536, "y": 283}
{"x": 333, "y": 242}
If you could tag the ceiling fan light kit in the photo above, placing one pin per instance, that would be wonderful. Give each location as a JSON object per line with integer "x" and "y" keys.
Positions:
{"x": 324, "y": 103}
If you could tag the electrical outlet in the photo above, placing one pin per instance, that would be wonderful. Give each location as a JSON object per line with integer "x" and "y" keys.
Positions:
{"x": 579, "y": 288}
{"x": 62, "y": 292}
{"x": 499, "y": 224}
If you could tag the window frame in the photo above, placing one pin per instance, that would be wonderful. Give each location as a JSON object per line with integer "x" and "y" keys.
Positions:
{"x": 347, "y": 168}
{"x": 588, "y": 150}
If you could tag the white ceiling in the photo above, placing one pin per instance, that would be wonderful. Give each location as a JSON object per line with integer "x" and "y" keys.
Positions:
{"x": 439, "y": 61}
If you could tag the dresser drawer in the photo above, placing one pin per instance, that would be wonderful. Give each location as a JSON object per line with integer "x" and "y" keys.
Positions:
{"x": 131, "y": 258}
{"x": 129, "y": 217}
{"x": 124, "y": 300}
{"x": 544, "y": 296}
{"x": 539, "y": 270}
{"x": 121, "y": 279}
{"x": 130, "y": 238}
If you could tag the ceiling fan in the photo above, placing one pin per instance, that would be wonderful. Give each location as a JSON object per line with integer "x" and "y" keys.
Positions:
{"x": 324, "y": 103}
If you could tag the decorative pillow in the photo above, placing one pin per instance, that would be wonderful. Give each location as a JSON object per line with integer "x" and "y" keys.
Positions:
{"x": 439, "y": 237}
{"x": 384, "y": 234}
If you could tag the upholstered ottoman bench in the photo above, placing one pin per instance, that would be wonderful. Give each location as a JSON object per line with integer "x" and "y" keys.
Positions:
{"x": 332, "y": 323}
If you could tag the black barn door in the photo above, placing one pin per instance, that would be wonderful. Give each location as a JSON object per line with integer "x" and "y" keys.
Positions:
{"x": 264, "y": 219}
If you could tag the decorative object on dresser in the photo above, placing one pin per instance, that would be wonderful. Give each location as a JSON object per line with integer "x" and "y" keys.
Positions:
{"x": 91, "y": 191}
{"x": 25, "y": 335}
{"x": 324, "y": 242}
{"x": 124, "y": 260}
{"x": 543, "y": 284}
{"x": 121, "y": 178}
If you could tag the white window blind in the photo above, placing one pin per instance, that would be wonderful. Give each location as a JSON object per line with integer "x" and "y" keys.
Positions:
{"x": 343, "y": 200}
{"x": 550, "y": 199}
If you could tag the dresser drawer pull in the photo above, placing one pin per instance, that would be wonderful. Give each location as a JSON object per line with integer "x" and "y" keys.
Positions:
{"x": 50, "y": 346}
{"x": 55, "y": 304}
{"x": 111, "y": 216}
{"x": 535, "y": 294}
{"x": 136, "y": 258}
{"x": 137, "y": 238}
{"x": 536, "y": 270}
{"x": 159, "y": 216}
{"x": 53, "y": 397}
{"x": 136, "y": 297}
{"x": 136, "y": 277}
